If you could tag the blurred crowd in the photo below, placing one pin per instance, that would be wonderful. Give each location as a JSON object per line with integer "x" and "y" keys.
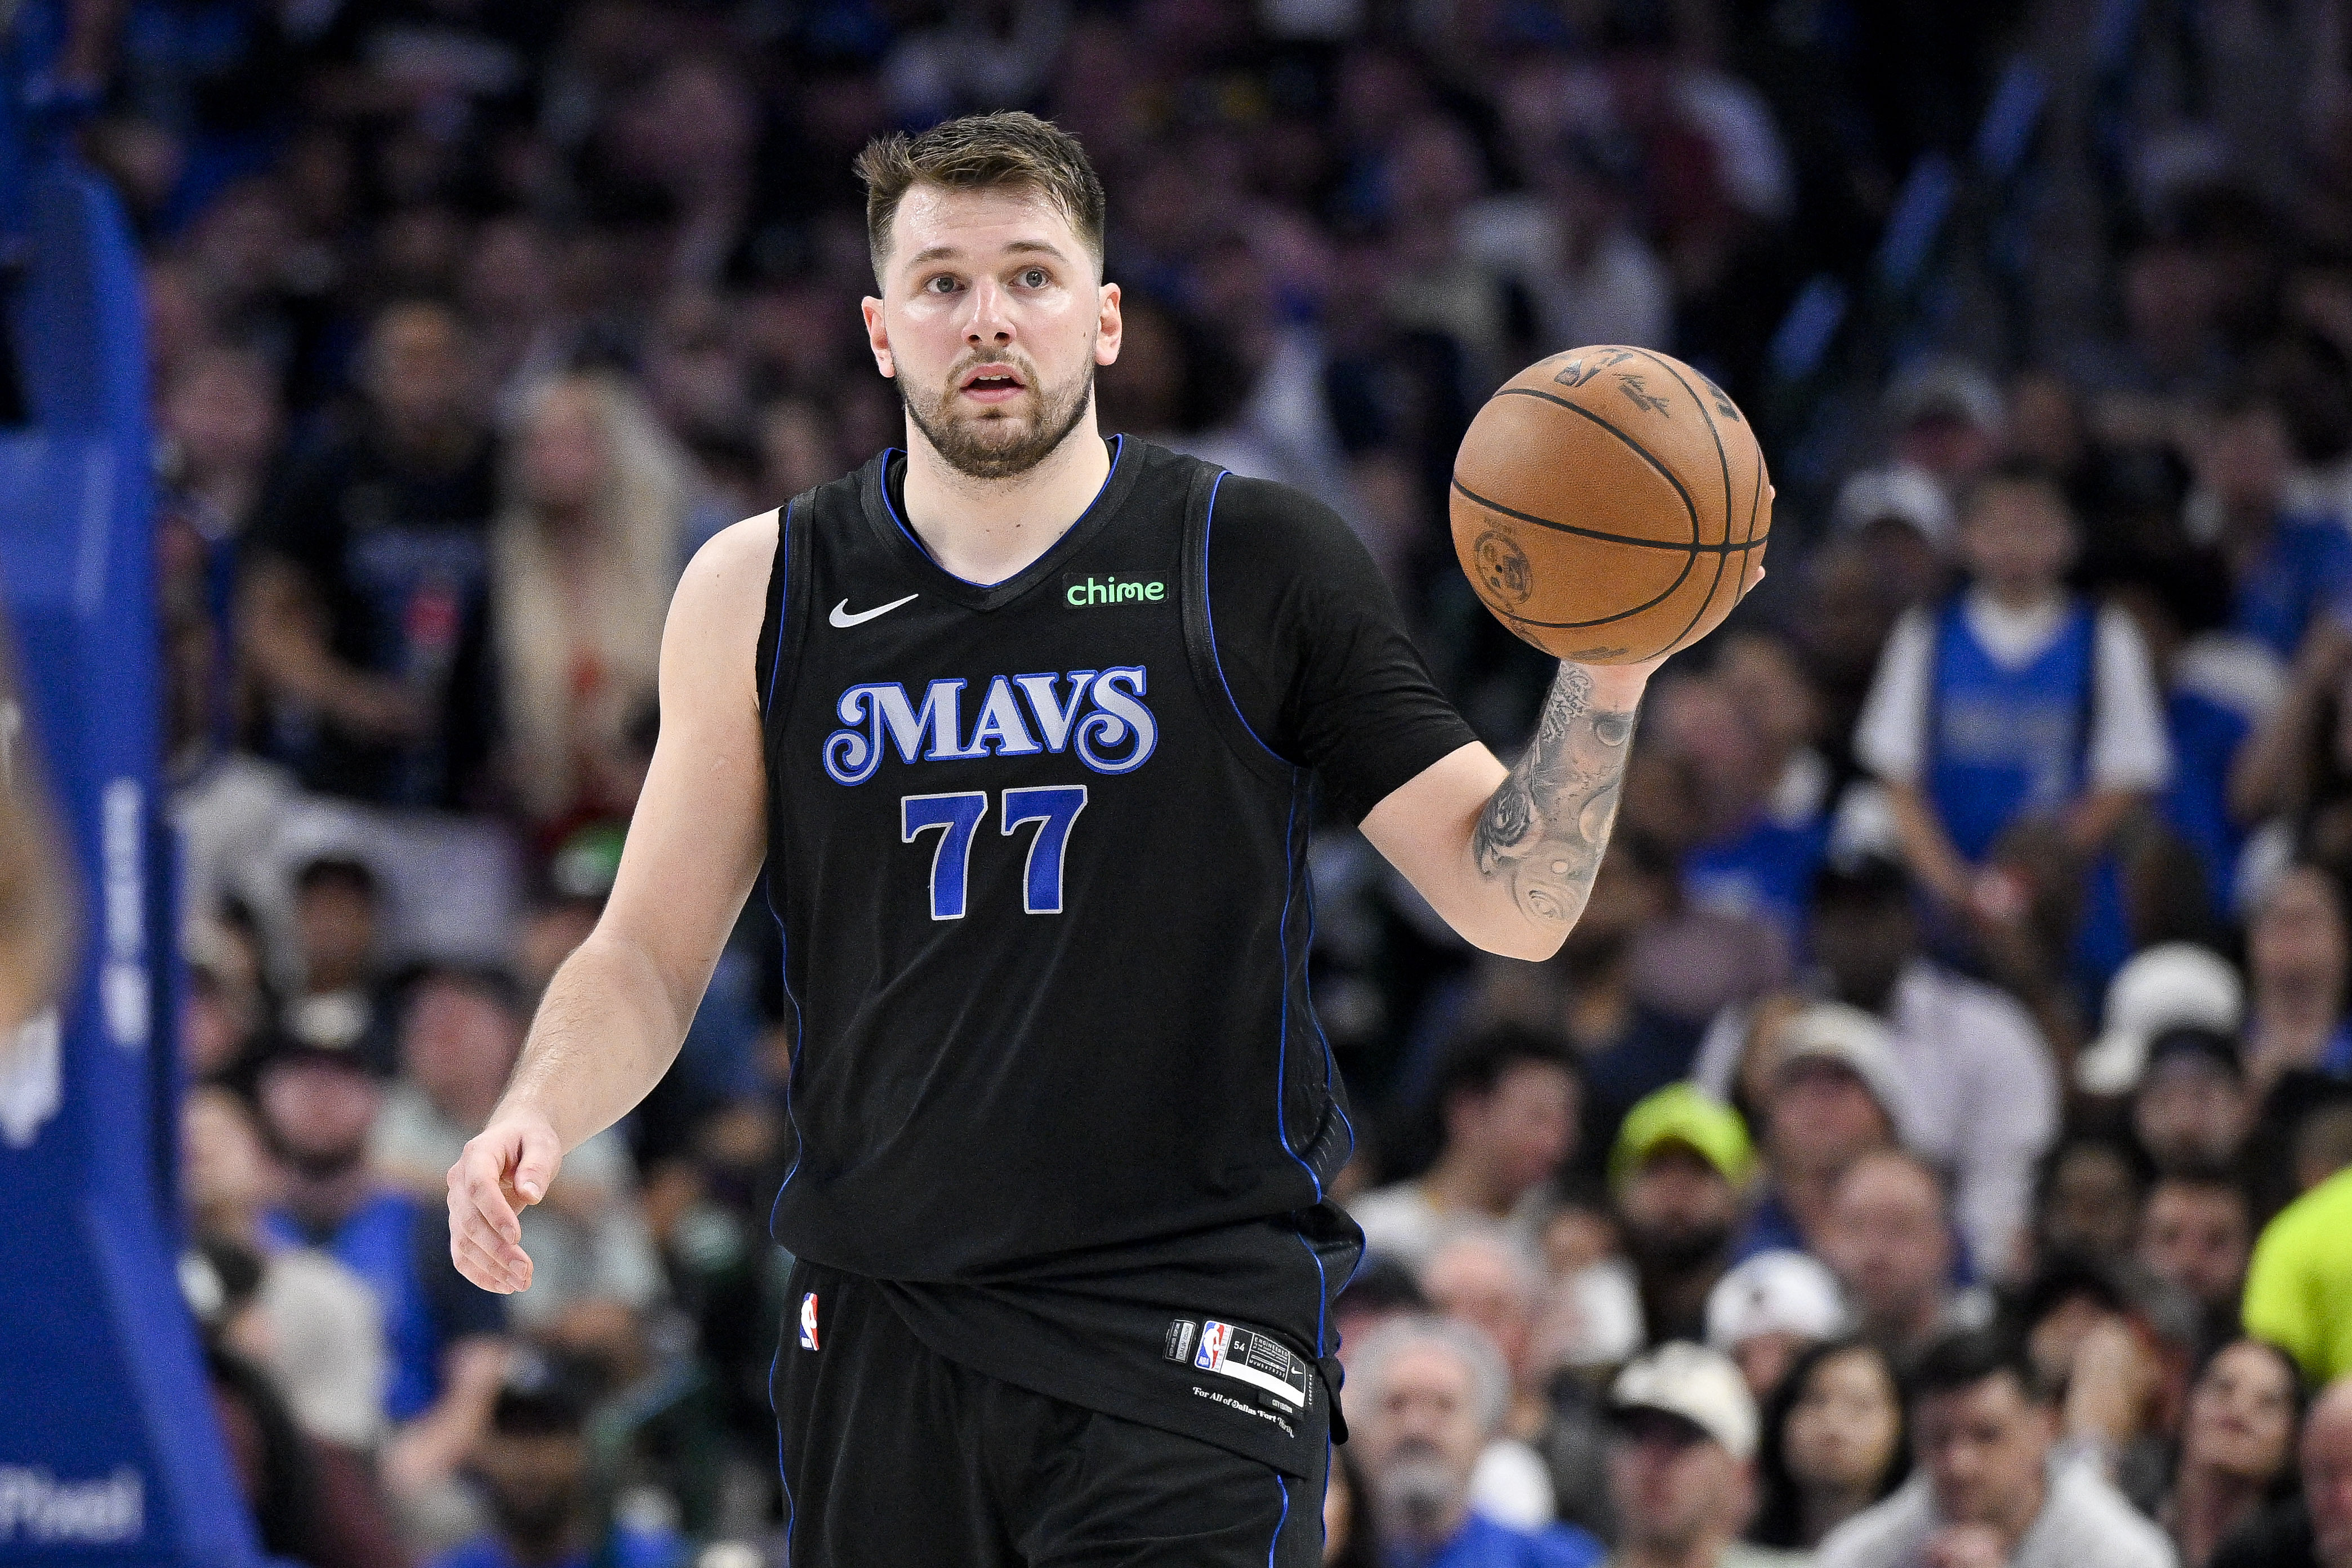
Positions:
{"x": 1934, "y": 1145}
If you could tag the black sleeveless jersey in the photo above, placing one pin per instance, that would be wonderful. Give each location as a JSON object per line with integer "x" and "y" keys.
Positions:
{"x": 1055, "y": 1078}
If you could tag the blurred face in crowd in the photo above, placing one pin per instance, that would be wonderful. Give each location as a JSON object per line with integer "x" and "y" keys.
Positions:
{"x": 1888, "y": 1243}
{"x": 1864, "y": 944}
{"x": 319, "y": 1114}
{"x": 1678, "y": 1208}
{"x": 1418, "y": 1437}
{"x": 221, "y": 413}
{"x": 1764, "y": 1359}
{"x": 335, "y": 924}
{"x": 2017, "y": 539}
{"x": 420, "y": 374}
{"x": 2091, "y": 1206}
{"x": 991, "y": 322}
{"x": 1821, "y": 1117}
{"x": 2240, "y": 1418}
{"x": 1983, "y": 1447}
{"x": 2245, "y": 461}
{"x": 1843, "y": 1428}
{"x": 563, "y": 460}
{"x": 457, "y": 1044}
{"x": 534, "y": 1484}
{"x": 225, "y": 1170}
{"x": 2295, "y": 943}
{"x": 2190, "y": 1113}
{"x": 1482, "y": 1281}
{"x": 1521, "y": 1132}
{"x": 1768, "y": 688}
{"x": 2327, "y": 1474}
{"x": 1673, "y": 1484}
{"x": 2196, "y": 1234}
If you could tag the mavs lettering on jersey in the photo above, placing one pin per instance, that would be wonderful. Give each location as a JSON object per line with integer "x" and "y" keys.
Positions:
{"x": 1114, "y": 735}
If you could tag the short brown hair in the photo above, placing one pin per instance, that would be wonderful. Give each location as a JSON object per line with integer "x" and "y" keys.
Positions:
{"x": 1012, "y": 151}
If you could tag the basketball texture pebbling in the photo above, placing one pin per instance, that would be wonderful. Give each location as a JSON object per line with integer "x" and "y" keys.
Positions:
{"x": 1610, "y": 505}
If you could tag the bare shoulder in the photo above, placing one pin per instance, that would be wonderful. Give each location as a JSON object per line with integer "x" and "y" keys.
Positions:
{"x": 715, "y": 615}
{"x": 732, "y": 569}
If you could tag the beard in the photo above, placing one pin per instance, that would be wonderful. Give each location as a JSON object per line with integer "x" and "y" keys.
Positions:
{"x": 1415, "y": 1490}
{"x": 996, "y": 445}
{"x": 1677, "y": 1249}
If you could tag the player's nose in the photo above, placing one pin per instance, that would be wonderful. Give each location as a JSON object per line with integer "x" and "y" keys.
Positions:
{"x": 989, "y": 322}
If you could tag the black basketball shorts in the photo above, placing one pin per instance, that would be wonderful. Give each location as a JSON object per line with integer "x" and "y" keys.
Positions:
{"x": 896, "y": 1457}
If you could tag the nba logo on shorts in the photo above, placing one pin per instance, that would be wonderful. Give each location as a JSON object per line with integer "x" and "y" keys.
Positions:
{"x": 808, "y": 1322}
{"x": 1211, "y": 1353}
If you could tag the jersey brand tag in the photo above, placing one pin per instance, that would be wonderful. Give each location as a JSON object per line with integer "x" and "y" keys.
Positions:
{"x": 842, "y": 618}
{"x": 808, "y": 1322}
{"x": 1250, "y": 1356}
{"x": 1178, "y": 1346}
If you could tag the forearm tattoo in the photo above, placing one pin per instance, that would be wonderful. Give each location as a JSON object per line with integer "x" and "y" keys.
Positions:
{"x": 1543, "y": 832}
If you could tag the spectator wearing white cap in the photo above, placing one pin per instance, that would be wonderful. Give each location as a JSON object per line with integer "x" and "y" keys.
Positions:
{"x": 2173, "y": 985}
{"x": 1681, "y": 1467}
{"x": 1834, "y": 1094}
{"x": 1769, "y": 1310}
{"x": 1981, "y": 1093}
{"x": 1988, "y": 1491}
{"x": 1425, "y": 1395}
{"x": 1902, "y": 521}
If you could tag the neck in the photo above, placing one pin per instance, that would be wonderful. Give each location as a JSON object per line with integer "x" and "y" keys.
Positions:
{"x": 1703, "y": 1550}
{"x": 1458, "y": 1182}
{"x": 2207, "y": 1504}
{"x": 2020, "y": 595}
{"x": 1422, "y": 1534}
{"x": 985, "y": 531}
{"x": 2013, "y": 1526}
{"x": 321, "y": 1203}
{"x": 1823, "y": 1510}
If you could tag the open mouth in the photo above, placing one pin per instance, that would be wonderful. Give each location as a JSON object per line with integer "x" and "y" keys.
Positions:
{"x": 992, "y": 383}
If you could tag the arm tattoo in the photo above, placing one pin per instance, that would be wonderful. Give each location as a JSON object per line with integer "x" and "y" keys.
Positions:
{"x": 1543, "y": 832}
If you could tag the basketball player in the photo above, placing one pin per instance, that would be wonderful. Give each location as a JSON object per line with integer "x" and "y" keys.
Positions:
{"x": 1023, "y": 723}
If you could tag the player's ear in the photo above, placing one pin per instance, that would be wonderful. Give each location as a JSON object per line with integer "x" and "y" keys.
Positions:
{"x": 877, "y": 336}
{"x": 1106, "y": 327}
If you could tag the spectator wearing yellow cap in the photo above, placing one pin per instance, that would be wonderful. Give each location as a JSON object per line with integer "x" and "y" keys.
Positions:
{"x": 1678, "y": 1173}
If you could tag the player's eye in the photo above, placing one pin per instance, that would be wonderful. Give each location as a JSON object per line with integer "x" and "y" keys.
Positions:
{"x": 1037, "y": 278}
{"x": 940, "y": 284}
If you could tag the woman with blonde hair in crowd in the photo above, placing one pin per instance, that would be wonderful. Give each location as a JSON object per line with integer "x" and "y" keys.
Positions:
{"x": 584, "y": 557}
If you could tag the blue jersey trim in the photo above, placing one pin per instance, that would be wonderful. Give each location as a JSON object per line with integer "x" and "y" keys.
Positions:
{"x": 1282, "y": 1485}
{"x": 1208, "y": 614}
{"x": 1118, "y": 450}
{"x": 1281, "y": 1056}
{"x": 783, "y": 938}
{"x": 791, "y": 1509}
{"x": 783, "y": 602}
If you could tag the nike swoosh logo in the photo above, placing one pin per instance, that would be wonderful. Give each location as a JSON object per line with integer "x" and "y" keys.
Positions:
{"x": 843, "y": 618}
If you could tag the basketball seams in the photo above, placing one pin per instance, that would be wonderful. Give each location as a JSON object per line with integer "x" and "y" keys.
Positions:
{"x": 1592, "y": 533}
{"x": 1723, "y": 461}
{"x": 1690, "y": 507}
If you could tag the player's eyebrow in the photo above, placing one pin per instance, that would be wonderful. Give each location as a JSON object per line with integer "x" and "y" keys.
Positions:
{"x": 1012, "y": 248}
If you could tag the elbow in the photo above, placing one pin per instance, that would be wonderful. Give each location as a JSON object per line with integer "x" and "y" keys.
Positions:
{"x": 1526, "y": 942}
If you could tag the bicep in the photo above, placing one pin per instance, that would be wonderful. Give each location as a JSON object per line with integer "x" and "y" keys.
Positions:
{"x": 699, "y": 832}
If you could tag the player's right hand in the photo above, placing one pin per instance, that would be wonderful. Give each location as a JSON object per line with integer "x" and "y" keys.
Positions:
{"x": 506, "y": 1168}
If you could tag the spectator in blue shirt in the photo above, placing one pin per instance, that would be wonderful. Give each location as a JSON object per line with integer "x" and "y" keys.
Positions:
{"x": 444, "y": 1335}
{"x": 533, "y": 1467}
{"x": 2284, "y": 570}
{"x": 1425, "y": 1396}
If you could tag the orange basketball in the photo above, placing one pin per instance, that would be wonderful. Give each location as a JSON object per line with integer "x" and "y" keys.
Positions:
{"x": 1610, "y": 505}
